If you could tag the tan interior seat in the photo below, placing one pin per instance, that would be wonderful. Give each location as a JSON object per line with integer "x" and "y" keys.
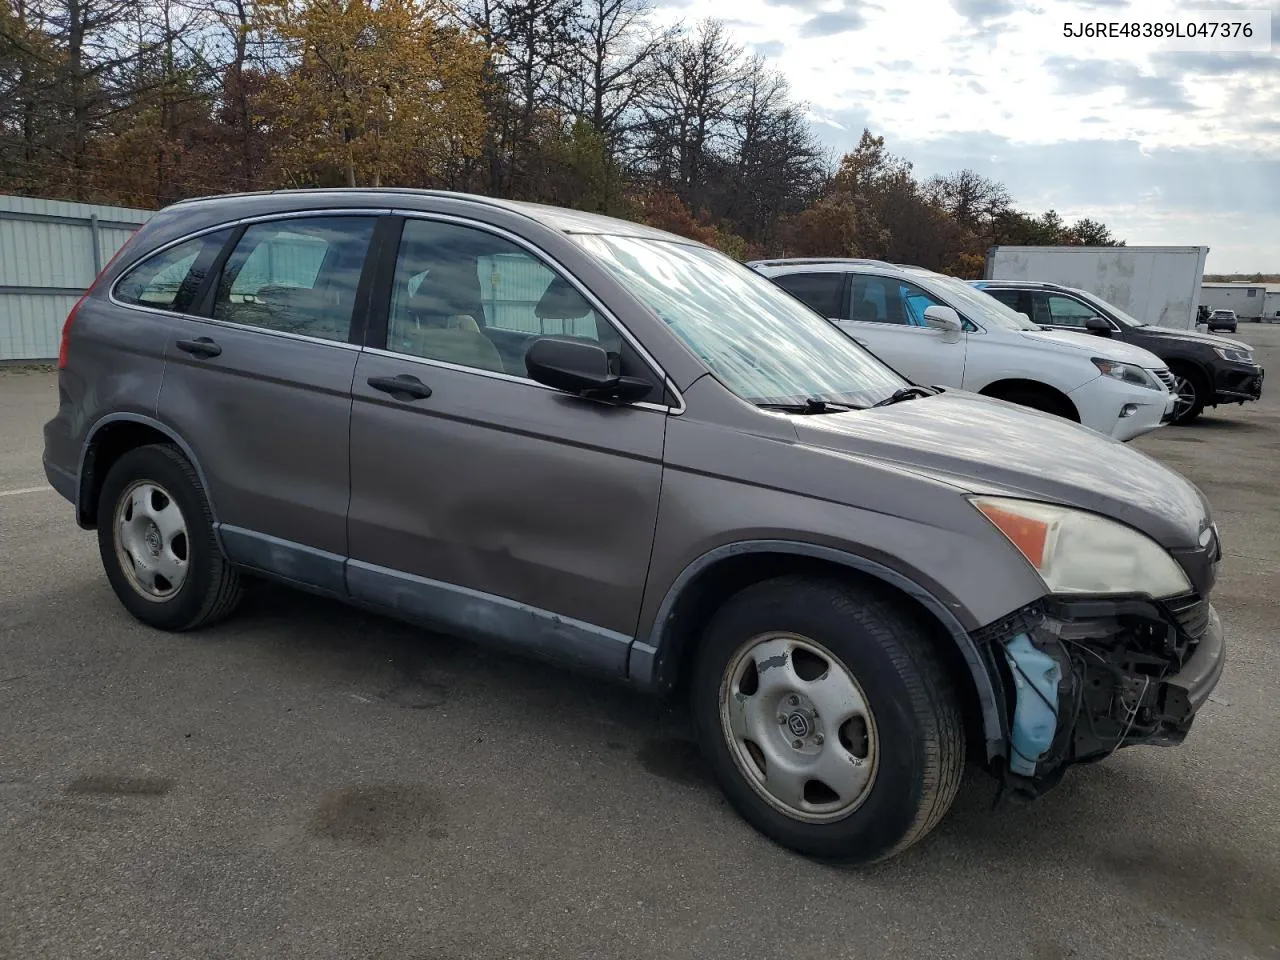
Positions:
{"x": 467, "y": 348}
{"x": 440, "y": 321}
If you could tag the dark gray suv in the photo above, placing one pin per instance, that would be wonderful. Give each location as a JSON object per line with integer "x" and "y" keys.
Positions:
{"x": 599, "y": 443}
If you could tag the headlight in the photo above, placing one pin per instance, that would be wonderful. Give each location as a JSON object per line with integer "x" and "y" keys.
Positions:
{"x": 1128, "y": 373}
{"x": 1238, "y": 356}
{"x": 1079, "y": 552}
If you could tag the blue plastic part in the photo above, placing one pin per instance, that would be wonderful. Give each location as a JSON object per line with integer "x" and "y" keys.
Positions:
{"x": 1036, "y": 676}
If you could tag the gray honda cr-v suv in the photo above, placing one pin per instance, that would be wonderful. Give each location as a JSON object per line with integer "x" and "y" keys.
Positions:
{"x": 610, "y": 446}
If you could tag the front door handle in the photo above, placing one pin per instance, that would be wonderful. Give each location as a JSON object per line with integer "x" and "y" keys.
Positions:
{"x": 199, "y": 347}
{"x": 403, "y": 386}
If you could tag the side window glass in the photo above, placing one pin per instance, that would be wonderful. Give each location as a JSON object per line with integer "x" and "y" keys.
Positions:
{"x": 819, "y": 291}
{"x": 1040, "y": 310}
{"x": 468, "y": 297}
{"x": 1010, "y": 298}
{"x": 296, "y": 276}
{"x": 1069, "y": 313}
{"x": 914, "y": 301}
{"x": 875, "y": 300}
{"x": 169, "y": 280}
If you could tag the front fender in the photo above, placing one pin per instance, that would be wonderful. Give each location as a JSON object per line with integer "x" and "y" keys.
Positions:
{"x": 654, "y": 659}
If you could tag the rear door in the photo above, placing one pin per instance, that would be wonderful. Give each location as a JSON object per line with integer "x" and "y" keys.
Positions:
{"x": 886, "y": 314}
{"x": 483, "y": 500}
{"x": 260, "y": 386}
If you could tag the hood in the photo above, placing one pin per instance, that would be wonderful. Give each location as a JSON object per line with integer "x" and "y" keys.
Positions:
{"x": 1169, "y": 333}
{"x": 1095, "y": 346}
{"x": 986, "y": 446}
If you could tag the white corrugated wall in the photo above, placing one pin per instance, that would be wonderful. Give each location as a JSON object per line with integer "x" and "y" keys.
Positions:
{"x": 47, "y": 259}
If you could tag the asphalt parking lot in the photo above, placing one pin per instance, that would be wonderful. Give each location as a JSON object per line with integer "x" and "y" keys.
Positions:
{"x": 309, "y": 781}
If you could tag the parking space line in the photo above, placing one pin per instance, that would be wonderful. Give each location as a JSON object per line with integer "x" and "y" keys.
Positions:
{"x": 20, "y": 490}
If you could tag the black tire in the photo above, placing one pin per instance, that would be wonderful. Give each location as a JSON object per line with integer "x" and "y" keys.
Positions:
{"x": 210, "y": 590}
{"x": 916, "y": 712}
{"x": 1198, "y": 384}
{"x": 1044, "y": 400}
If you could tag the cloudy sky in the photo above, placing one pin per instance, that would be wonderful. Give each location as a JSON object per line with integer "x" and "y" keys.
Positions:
{"x": 1166, "y": 148}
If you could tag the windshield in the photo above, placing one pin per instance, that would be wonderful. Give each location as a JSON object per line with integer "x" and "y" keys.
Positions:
{"x": 1110, "y": 308}
{"x": 758, "y": 340}
{"x": 978, "y": 306}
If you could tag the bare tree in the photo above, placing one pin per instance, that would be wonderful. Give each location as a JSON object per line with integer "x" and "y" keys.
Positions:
{"x": 687, "y": 109}
{"x": 615, "y": 44}
{"x": 776, "y": 163}
{"x": 975, "y": 201}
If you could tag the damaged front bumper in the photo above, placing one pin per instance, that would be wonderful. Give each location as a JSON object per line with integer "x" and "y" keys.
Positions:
{"x": 1084, "y": 677}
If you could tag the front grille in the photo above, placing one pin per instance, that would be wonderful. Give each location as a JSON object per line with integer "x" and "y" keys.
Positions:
{"x": 1192, "y": 614}
{"x": 1168, "y": 379}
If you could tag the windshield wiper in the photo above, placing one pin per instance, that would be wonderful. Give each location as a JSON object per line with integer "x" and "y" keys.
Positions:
{"x": 810, "y": 405}
{"x": 906, "y": 393}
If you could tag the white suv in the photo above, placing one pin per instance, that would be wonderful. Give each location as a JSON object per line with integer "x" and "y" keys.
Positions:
{"x": 937, "y": 330}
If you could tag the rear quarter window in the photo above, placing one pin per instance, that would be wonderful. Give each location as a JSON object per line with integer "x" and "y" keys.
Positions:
{"x": 169, "y": 279}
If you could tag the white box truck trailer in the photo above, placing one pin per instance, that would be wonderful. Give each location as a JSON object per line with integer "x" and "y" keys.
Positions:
{"x": 1156, "y": 285}
{"x": 1271, "y": 305}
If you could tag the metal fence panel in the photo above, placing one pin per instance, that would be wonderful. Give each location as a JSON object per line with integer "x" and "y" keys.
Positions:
{"x": 50, "y": 251}
{"x": 31, "y": 326}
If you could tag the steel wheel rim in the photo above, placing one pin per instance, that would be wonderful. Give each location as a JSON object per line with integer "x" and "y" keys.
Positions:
{"x": 1185, "y": 392}
{"x": 151, "y": 541}
{"x": 799, "y": 727}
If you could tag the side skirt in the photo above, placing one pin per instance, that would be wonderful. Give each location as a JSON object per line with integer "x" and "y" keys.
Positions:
{"x": 470, "y": 614}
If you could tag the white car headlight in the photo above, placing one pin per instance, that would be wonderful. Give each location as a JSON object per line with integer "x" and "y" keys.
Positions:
{"x": 1079, "y": 552}
{"x": 1239, "y": 356}
{"x": 1127, "y": 372}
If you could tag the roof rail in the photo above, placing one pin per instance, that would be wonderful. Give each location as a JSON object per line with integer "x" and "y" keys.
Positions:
{"x": 789, "y": 261}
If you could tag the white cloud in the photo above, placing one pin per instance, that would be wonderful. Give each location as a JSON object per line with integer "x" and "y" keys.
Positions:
{"x": 994, "y": 84}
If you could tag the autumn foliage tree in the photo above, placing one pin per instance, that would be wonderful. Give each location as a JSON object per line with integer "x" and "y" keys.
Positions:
{"x": 375, "y": 93}
{"x": 582, "y": 103}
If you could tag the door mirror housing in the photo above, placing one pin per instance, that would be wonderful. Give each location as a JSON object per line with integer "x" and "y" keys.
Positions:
{"x": 582, "y": 368}
{"x": 1098, "y": 325}
{"x": 938, "y": 317}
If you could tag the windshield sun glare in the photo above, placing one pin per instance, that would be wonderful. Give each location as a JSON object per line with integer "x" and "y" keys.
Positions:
{"x": 759, "y": 341}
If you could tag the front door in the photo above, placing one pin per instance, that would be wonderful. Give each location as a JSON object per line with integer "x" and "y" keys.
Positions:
{"x": 261, "y": 388}
{"x": 481, "y": 500}
{"x": 886, "y": 315}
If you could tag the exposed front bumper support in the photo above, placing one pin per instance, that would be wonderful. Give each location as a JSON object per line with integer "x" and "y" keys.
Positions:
{"x": 1092, "y": 676}
{"x": 1199, "y": 675}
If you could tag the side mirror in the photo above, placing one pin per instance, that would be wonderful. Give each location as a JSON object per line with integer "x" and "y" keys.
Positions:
{"x": 582, "y": 368}
{"x": 938, "y": 317}
{"x": 1098, "y": 325}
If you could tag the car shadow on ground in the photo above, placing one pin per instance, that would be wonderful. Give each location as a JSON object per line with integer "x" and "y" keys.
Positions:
{"x": 417, "y": 669}
{"x": 1191, "y": 872}
{"x": 1224, "y": 424}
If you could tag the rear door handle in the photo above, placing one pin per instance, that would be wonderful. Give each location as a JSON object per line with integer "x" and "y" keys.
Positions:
{"x": 403, "y": 386}
{"x": 199, "y": 347}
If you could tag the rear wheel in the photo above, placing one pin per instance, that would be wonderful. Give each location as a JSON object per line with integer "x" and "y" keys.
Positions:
{"x": 155, "y": 536}
{"x": 827, "y": 718}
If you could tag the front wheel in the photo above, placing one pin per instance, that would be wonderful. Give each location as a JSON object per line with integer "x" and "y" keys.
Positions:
{"x": 1190, "y": 396}
{"x": 155, "y": 536}
{"x": 827, "y": 718}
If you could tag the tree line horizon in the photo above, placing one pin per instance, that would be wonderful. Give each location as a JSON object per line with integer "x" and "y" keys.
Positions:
{"x": 588, "y": 104}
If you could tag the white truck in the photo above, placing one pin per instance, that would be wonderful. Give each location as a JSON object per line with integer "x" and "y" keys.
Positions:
{"x": 1251, "y": 301}
{"x": 1157, "y": 285}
